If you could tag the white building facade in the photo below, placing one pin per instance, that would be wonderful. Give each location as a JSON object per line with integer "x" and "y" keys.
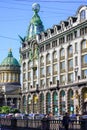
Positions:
{"x": 54, "y": 68}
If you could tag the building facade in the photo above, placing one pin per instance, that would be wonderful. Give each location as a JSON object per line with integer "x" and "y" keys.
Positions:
{"x": 10, "y": 87}
{"x": 54, "y": 65}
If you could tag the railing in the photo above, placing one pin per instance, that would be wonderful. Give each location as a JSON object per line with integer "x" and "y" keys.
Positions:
{"x": 45, "y": 124}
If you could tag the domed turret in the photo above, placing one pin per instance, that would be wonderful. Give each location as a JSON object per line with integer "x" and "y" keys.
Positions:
{"x": 10, "y": 60}
{"x": 10, "y": 68}
{"x": 36, "y": 25}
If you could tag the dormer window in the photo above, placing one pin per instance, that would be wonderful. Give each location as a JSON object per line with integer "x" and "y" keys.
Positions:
{"x": 82, "y": 15}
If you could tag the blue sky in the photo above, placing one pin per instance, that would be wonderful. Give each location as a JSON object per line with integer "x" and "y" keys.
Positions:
{"x": 15, "y": 16}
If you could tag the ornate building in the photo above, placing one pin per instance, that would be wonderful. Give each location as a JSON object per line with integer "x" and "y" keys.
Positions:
{"x": 10, "y": 87}
{"x": 54, "y": 65}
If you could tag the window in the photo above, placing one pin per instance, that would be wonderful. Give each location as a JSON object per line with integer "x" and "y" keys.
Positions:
{"x": 76, "y": 47}
{"x": 62, "y": 78}
{"x": 29, "y": 75}
{"x": 42, "y": 71}
{"x": 55, "y": 79}
{"x": 48, "y": 70}
{"x": 48, "y": 58}
{"x": 42, "y": 83}
{"x": 70, "y": 77}
{"x": 70, "y": 51}
{"x": 82, "y": 15}
{"x": 84, "y": 73}
{"x": 41, "y": 48}
{"x": 54, "y": 55}
{"x": 55, "y": 69}
{"x": 29, "y": 65}
{"x": 54, "y": 43}
{"x": 84, "y": 60}
{"x": 62, "y": 53}
{"x": 76, "y": 61}
{"x": 84, "y": 45}
{"x": 62, "y": 65}
{"x": 42, "y": 60}
{"x": 70, "y": 64}
{"x": 48, "y": 46}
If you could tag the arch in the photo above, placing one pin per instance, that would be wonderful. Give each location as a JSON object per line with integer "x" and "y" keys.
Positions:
{"x": 29, "y": 104}
{"x": 48, "y": 102}
{"x": 70, "y": 102}
{"x": 55, "y": 103}
{"x": 84, "y": 100}
{"x": 62, "y": 53}
{"x": 42, "y": 60}
{"x": 24, "y": 103}
{"x": 62, "y": 102}
{"x": 41, "y": 97}
{"x": 55, "y": 56}
{"x": 48, "y": 58}
{"x": 70, "y": 50}
{"x": 83, "y": 44}
{"x": 35, "y": 103}
{"x": 24, "y": 66}
{"x": 82, "y": 15}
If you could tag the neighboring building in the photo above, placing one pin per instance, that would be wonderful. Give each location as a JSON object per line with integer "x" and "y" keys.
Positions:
{"x": 10, "y": 87}
{"x": 54, "y": 65}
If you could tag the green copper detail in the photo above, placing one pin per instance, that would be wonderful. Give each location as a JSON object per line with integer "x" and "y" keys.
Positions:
{"x": 10, "y": 60}
{"x": 36, "y": 25}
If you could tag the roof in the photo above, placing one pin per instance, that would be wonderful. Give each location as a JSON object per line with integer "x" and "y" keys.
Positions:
{"x": 35, "y": 25}
{"x": 10, "y": 60}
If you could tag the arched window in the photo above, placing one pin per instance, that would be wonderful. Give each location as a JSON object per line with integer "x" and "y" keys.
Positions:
{"x": 29, "y": 65}
{"x": 48, "y": 103}
{"x": 62, "y": 102}
{"x": 84, "y": 45}
{"x": 54, "y": 56}
{"x": 82, "y": 15}
{"x": 42, "y": 60}
{"x": 24, "y": 66}
{"x": 70, "y": 102}
{"x": 62, "y": 53}
{"x": 48, "y": 58}
{"x": 70, "y": 51}
{"x": 55, "y": 103}
{"x": 41, "y": 103}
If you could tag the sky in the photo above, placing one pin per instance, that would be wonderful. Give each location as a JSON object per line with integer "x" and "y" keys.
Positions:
{"x": 15, "y": 16}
